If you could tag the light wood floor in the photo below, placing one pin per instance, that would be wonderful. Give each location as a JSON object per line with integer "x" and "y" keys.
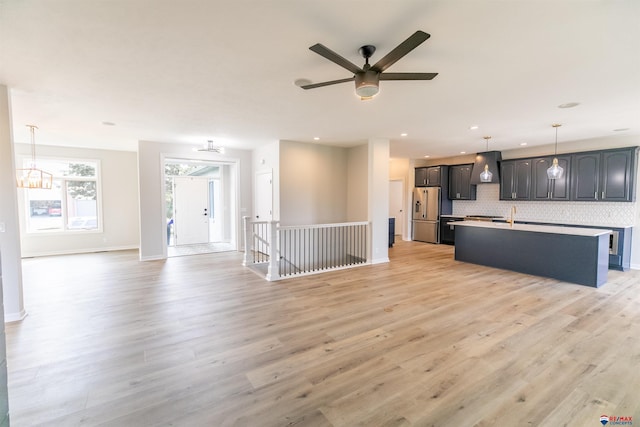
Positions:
{"x": 423, "y": 340}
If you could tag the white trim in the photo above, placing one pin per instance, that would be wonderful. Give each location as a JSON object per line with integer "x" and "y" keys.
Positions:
{"x": 635, "y": 266}
{"x": 337, "y": 224}
{"x": 311, "y": 273}
{"x": 153, "y": 258}
{"x": 15, "y": 317}
{"x": 81, "y": 251}
{"x": 380, "y": 260}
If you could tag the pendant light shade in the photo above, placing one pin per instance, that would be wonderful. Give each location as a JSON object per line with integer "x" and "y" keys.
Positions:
{"x": 33, "y": 177}
{"x": 486, "y": 175}
{"x": 555, "y": 171}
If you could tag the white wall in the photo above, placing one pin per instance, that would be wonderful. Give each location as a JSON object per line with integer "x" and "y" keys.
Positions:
{"x": 379, "y": 199}
{"x": 313, "y": 187}
{"x": 10, "y": 236}
{"x": 403, "y": 170}
{"x": 153, "y": 226}
{"x": 119, "y": 189}
{"x": 357, "y": 183}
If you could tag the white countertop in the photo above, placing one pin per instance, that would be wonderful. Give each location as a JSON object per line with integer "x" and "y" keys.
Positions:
{"x": 576, "y": 231}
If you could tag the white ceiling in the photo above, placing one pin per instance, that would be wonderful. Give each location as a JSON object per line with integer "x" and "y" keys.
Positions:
{"x": 187, "y": 71}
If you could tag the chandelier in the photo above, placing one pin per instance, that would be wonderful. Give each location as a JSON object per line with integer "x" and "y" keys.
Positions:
{"x": 33, "y": 177}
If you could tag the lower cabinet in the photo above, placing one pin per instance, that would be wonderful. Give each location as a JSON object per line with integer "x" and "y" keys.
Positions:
{"x": 392, "y": 231}
{"x": 447, "y": 230}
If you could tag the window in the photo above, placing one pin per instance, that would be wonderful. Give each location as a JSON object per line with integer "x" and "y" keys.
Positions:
{"x": 72, "y": 202}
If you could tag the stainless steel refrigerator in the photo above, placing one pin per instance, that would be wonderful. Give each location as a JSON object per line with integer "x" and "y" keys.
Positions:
{"x": 426, "y": 214}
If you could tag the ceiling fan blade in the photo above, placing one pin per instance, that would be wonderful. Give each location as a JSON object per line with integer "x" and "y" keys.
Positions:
{"x": 407, "y": 76}
{"x": 401, "y": 50}
{"x": 334, "y": 57}
{"x": 332, "y": 82}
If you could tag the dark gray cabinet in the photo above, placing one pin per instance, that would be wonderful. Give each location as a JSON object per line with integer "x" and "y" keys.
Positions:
{"x": 429, "y": 176}
{"x": 460, "y": 187}
{"x": 421, "y": 177}
{"x": 550, "y": 189}
{"x": 434, "y": 176}
{"x": 515, "y": 179}
{"x": 604, "y": 175}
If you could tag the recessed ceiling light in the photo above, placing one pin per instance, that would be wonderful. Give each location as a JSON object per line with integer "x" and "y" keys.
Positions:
{"x": 569, "y": 105}
{"x": 316, "y": 138}
{"x": 463, "y": 152}
{"x": 621, "y": 129}
{"x": 427, "y": 156}
{"x": 523, "y": 143}
{"x": 403, "y": 134}
{"x": 108, "y": 123}
{"x": 474, "y": 127}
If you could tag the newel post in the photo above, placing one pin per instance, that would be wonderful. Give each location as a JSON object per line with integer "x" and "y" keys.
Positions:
{"x": 273, "y": 272}
{"x": 248, "y": 234}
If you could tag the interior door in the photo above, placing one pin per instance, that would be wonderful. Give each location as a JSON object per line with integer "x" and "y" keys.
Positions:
{"x": 191, "y": 210}
{"x": 396, "y": 202}
{"x": 264, "y": 196}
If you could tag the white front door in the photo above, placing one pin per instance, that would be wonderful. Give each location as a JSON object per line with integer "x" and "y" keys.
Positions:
{"x": 396, "y": 201}
{"x": 191, "y": 210}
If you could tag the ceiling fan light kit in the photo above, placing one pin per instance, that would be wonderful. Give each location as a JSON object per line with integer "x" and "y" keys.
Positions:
{"x": 367, "y": 79}
{"x": 367, "y": 84}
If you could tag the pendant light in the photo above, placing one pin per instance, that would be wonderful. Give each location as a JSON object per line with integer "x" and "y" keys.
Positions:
{"x": 33, "y": 177}
{"x": 555, "y": 171}
{"x": 486, "y": 175}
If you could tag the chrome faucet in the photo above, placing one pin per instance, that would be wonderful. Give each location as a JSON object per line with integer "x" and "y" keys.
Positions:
{"x": 512, "y": 220}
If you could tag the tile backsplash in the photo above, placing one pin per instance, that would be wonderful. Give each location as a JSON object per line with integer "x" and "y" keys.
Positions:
{"x": 612, "y": 214}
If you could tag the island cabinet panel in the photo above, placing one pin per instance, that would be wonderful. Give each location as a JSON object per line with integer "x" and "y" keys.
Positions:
{"x": 460, "y": 187}
{"x": 515, "y": 180}
{"x": 577, "y": 258}
{"x": 604, "y": 176}
{"x": 550, "y": 189}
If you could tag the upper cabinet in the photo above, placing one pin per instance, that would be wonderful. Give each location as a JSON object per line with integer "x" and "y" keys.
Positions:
{"x": 460, "y": 187}
{"x": 429, "y": 176}
{"x": 550, "y": 189}
{"x": 515, "y": 179}
{"x": 607, "y": 175}
{"x": 421, "y": 177}
{"x": 604, "y": 176}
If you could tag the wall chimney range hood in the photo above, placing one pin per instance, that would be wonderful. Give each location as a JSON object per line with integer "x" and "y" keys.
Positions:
{"x": 490, "y": 158}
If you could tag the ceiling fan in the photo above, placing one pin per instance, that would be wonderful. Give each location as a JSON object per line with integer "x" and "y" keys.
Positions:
{"x": 368, "y": 77}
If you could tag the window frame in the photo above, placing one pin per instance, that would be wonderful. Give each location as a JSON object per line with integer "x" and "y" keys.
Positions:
{"x": 64, "y": 196}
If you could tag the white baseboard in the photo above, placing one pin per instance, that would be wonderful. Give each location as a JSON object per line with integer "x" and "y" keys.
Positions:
{"x": 15, "y": 317}
{"x": 152, "y": 258}
{"x": 634, "y": 266}
{"x": 79, "y": 251}
{"x": 380, "y": 260}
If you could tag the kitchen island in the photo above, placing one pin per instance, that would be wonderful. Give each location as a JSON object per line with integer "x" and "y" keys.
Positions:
{"x": 571, "y": 254}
